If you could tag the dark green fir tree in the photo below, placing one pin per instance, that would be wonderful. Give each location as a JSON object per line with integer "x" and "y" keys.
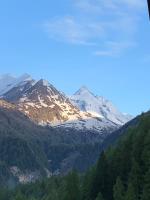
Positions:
{"x": 118, "y": 190}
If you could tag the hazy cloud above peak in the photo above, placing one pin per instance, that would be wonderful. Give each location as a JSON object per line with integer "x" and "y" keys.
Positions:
{"x": 100, "y": 5}
{"x": 69, "y": 29}
{"x": 96, "y": 22}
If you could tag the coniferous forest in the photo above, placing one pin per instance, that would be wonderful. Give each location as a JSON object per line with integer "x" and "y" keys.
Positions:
{"x": 121, "y": 173}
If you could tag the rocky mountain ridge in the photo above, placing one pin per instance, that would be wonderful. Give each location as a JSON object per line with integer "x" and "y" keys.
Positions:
{"x": 45, "y": 105}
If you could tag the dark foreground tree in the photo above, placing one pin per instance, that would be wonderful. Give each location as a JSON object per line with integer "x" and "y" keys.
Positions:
{"x": 130, "y": 194}
{"x": 100, "y": 180}
{"x": 99, "y": 196}
{"x": 119, "y": 190}
{"x": 146, "y": 190}
{"x": 72, "y": 190}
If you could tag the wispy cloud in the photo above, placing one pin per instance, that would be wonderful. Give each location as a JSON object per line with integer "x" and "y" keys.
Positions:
{"x": 71, "y": 30}
{"x": 99, "y": 21}
{"x": 114, "y": 48}
{"x": 101, "y": 5}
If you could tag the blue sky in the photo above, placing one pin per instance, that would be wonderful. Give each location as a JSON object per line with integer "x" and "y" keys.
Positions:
{"x": 103, "y": 44}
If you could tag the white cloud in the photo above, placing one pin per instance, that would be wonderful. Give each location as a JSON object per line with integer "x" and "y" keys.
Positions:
{"x": 114, "y": 48}
{"x": 135, "y": 3}
{"x": 95, "y": 22}
{"x": 71, "y": 30}
{"x": 100, "y": 6}
{"x": 104, "y": 53}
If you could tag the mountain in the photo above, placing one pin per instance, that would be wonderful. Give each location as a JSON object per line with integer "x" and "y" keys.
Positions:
{"x": 98, "y": 106}
{"x": 43, "y": 133}
{"x": 7, "y": 82}
{"x": 45, "y": 105}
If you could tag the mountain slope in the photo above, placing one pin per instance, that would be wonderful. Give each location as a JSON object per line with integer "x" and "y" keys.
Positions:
{"x": 122, "y": 172}
{"x": 45, "y": 105}
{"x": 99, "y": 106}
{"x": 29, "y": 152}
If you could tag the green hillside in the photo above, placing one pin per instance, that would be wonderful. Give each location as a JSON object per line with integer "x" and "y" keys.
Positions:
{"x": 121, "y": 173}
{"x": 35, "y": 149}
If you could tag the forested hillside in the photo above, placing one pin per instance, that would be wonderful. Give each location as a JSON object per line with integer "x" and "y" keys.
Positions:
{"x": 121, "y": 173}
{"x": 29, "y": 152}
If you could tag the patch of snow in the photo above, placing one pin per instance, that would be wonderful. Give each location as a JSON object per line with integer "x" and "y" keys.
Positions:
{"x": 45, "y": 83}
{"x": 89, "y": 124}
{"x": 42, "y": 102}
{"x": 30, "y": 104}
{"x": 51, "y": 106}
{"x": 23, "y": 99}
{"x": 55, "y": 97}
{"x": 96, "y": 114}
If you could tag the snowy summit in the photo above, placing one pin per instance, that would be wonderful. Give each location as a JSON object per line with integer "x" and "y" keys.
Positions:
{"x": 88, "y": 102}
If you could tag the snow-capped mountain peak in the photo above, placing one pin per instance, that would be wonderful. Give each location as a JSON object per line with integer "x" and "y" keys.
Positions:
{"x": 25, "y": 77}
{"x": 84, "y": 91}
{"x": 44, "y": 83}
{"x": 88, "y": 102}
{"x": 7, "y": 82}
{"x": 46, "y": 105}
